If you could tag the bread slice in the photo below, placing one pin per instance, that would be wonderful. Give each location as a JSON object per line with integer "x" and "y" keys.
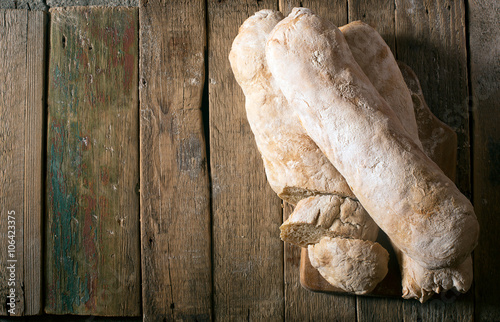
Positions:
{"x": 406, "y": 193}
{"x": 353, "y": 265}
{"x": 327, "y": 215}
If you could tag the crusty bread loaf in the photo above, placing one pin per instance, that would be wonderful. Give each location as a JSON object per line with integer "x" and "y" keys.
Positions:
{"x": 327, "y": 215}
{"x": 421, "y": 283}
{"x": 406, "y": 193}
{"x": 295, "y": 166}
{"x": 439, "y": 142}
{"x": 353, "y": 265}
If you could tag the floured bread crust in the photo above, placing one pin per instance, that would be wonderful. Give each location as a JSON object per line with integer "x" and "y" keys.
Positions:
{"x": 375, "y": 58}
{"x": 400, "y": 87}
{"x": 353, "y": 265}
{"x": 421, "y": 283}
{"x": 406, "y": 193}
{"x": 295, "y": 166}
{"x": 439, "y": 142}
{"x": 327, "y": 215}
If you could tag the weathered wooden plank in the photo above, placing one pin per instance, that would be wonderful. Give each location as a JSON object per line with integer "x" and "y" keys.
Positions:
{"x": 22, "y": 47}
{"x": 485, "y": 89}
{"x": 301, "y": 304}
{"x": 34, "y": 140}
{"x": 247, "y": 251}
{"x": 13, "y": 39}
{"x": 430, "y": 38}
{"x": 92, "y": 230}
{"x": 175, "y": 191}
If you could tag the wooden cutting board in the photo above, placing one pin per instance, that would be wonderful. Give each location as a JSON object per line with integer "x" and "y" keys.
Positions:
{"x": 440, "y": 144}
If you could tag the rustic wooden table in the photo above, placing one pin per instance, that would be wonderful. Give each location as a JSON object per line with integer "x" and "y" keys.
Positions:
{"x": 135, "y": 185}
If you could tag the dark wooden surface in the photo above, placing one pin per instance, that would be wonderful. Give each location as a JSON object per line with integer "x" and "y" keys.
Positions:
{"x": 484, "y": 44}
{"x": 175, "y": 192}
{"x": 209, "y": 246}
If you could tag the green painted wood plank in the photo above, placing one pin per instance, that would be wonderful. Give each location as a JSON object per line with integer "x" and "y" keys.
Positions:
{"x": 22, "y": 48}
{"x": 175, "y": 191}
{"x": 92, "y": 230}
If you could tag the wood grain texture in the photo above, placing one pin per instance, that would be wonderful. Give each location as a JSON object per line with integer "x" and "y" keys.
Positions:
{"x": 92, "y": 229}
{"x": 13, "y": 39}
{"x": 175, "y": 192}
{"x": 34, "y": 141}
{"x": 22, "y": 48}
{"x": 333, "y": 10}
{"x": 247, "y": 251}
{"x": 484, "y": 40}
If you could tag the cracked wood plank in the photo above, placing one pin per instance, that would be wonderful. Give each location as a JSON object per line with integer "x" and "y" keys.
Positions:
{"x": 484, "y": 37}
{"x": 175, "y": 191}
{"x": 92, "y": 230}
{"x": 247, "y": 251}
{"x": 22, "y": 51}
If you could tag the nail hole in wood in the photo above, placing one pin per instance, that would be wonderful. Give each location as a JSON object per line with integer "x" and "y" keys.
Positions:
{"x": 64, "y": 41}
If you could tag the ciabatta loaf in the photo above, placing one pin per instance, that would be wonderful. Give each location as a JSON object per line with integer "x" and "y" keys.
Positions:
{"x": 439, "y": 142}
{"x": 295, "y": 166}
{"x": 407, "y": 195}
